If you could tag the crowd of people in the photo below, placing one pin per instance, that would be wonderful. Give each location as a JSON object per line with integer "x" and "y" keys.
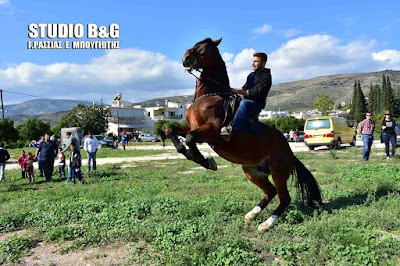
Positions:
{"x": 47, "y": 151}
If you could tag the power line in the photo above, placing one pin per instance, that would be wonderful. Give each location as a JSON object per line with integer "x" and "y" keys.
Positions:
{"x": 23, "y": 94}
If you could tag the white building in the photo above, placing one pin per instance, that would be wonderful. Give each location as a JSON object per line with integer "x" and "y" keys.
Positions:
{"x": 264, "y": 114}
{"x": 169, "y": 111}
{"x": 125, "y": 117}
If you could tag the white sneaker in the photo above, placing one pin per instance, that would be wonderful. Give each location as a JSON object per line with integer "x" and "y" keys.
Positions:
{"x": 388, "y": 158}
{"x": 226, "y": 132}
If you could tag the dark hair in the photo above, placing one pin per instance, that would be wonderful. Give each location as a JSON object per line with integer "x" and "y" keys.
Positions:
{"x": 1, "y": 145}
{"x": 68, "y": 133}
{"x": 60, "y": 148}
{"x": 263, "y": 56}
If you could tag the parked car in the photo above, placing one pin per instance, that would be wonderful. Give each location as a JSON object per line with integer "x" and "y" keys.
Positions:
{"x": 397, "y": 130}
{"x": 148, "y": 138}
{"x": 301, "y": 136}
{"x": 328, "y": 131}
{"x": 103, "y": 141}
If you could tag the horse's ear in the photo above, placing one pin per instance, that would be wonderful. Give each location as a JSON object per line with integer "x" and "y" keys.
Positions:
{"x": 216, "y": 42}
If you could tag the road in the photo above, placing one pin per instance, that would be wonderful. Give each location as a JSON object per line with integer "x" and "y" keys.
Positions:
{"x": 204, "y": 148}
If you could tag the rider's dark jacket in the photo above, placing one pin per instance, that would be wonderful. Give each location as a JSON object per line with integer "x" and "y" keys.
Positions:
{"x": 258, "y": 83}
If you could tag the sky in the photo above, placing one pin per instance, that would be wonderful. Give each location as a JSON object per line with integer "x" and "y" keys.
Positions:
{"x": 303, "y": 40}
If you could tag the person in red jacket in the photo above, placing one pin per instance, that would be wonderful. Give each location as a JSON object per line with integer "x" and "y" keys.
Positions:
{"x": 21, "y": 163}
{"x": 28, "y": 163}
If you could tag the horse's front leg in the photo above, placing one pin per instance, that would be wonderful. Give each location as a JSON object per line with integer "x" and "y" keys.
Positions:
{"x": 172, "y": 133}
{"x": 205, "y": 133}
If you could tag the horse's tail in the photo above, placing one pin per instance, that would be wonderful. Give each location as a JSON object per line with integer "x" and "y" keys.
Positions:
{"x": 307, "y": 186}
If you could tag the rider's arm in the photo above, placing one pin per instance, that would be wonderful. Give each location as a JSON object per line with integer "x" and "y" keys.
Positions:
{"x": 241, "y": 91}
{"x": 261, "y": 88}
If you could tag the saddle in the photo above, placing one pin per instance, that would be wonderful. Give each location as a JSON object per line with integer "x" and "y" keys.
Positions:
{"x": 231, "y": 104}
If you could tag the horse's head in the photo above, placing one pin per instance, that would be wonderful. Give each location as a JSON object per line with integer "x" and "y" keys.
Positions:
{"x": 203, "y": 55}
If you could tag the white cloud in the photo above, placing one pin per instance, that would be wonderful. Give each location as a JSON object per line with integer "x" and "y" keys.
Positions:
{"x": 141, "y": 75}
{"x": 138, "y": 74}
{"x": 291, "y": 32}
{"x": 4, "y": 2}
{"x": 312, "y": 56}
{"x": 263, "y": 29}
{"x": 391, "y": 57}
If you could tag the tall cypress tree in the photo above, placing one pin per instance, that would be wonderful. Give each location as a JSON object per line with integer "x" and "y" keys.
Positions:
{"x": 361, "y": 106}
{"x": 384, "y": 95}
{"x": 354, "y": 100}
{"x": 377, "y": 103}
{"x": 390, "y": 94}
{"x": 371, "y": 99}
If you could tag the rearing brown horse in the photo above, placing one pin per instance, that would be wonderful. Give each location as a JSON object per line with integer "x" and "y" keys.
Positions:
{"x": 261, "y": 152}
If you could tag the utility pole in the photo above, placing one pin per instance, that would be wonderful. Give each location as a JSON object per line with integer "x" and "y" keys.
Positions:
{"x": 2, "y": 106}
{"x": 117, "y": 125}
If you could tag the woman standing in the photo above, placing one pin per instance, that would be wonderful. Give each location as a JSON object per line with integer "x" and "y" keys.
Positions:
{"x": 388, "y": 133}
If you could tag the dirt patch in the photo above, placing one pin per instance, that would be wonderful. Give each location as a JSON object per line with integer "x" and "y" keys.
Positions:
{"x": 45, "y": 253}
{"x": 4, "y": 236}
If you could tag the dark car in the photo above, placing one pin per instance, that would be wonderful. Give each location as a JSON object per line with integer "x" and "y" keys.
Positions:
{"x": 397, "y": 130}
{"x": 103, "y": 141}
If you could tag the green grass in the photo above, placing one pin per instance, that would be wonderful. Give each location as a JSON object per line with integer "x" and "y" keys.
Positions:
{"x": 168, "y": 215}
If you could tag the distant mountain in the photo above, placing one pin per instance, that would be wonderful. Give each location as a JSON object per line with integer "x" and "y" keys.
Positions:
{"x": 299, "y": 95}
{"x": 40, "y": 106}
{"x": 51, "y": 118}
{"x": 302, "y": 94}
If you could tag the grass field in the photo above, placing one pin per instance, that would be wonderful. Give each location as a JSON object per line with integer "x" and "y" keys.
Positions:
{"x": 172, "y": 212}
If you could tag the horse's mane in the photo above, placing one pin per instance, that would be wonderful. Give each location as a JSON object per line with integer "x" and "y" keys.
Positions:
{"x": 204, "y": 41}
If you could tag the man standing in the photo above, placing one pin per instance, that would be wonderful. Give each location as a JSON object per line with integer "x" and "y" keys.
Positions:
{"x": 74, "y": 140}
{"x": 124, "y": 139}
{"x": 4, "y": 156}
{"x": 255, "y": 92}
{"x": 366, "y": 129}
{"x": 91, "y": 145}
{"x": 48, "y": 152}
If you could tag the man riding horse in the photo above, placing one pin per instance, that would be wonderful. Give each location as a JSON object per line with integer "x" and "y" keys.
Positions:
{"x": 255, "y": 92}
{"x": 261, "y": 150}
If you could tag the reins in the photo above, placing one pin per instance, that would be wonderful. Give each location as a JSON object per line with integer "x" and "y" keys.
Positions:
{"x": 202, "y": 85}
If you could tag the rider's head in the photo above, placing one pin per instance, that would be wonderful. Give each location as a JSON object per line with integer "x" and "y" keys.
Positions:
{"x": 259, "y": 61}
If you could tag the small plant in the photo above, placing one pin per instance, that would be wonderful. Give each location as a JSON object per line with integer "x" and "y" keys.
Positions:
{"x": 13, "y": 248}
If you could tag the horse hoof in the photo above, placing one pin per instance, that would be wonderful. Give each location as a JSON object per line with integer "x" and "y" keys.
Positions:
{"x": 212, "y": 164}
{"x": 252, "y": 214}
{"x": 268, "y": 224}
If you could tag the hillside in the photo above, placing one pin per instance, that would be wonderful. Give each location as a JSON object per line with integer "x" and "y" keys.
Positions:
{"x": 302, "y": 94}
{"x": 40, "y": 106}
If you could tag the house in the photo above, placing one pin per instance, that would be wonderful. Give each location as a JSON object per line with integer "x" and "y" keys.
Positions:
{"x": 169, "y": 111}
{"x": 264, "y": 114}
{"x": 125, "y": 117}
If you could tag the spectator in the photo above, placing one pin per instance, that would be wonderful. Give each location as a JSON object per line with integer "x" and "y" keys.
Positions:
{"x": 75, "y": 141}
{"x": 37, "y": 144}
{"x": 366, "y": 129}
{"x": 124, "y": 139}
{"x": 91, "y": 146}
{"x": 75, "y": 163}
{"x": 21, "y": 163}
{"x": 48, "y": 151}
{"x": 4, "y": 156}
{"x": 291, "y": 135}
{"x": 388, "y": 133}
{"x": 61, "y": 163}
{"x": 28, "y": 164}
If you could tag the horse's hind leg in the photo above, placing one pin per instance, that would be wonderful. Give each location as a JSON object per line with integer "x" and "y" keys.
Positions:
{"x": 260, "y": 178}
{"x": 280, "y": 177}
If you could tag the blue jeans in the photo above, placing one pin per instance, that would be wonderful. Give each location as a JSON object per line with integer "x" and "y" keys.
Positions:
{"x": 389, "y": 138}
{"x": 2, "y": 169}
{"x": 70, "y": 174}
{"x": 367, "y": 139}
{"x": 91, "y": 156}
{"x": 247, "y": 109}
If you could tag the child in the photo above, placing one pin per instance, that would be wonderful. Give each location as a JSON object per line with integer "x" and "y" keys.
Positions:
{"x": 4, "y": 156}
{"x": 61, "y": 163}
{"x": 21, "y": 163}
{"x": 28, "y": 165}
{"x": 75, "y": 163}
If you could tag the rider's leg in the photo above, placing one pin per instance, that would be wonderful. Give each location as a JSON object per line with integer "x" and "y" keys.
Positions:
{"x": 246, "y": 110}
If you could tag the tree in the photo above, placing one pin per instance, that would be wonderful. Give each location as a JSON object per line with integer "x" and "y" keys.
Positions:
{"x": 33, "y": 129}
{"x": 378, "y": 96}
{"x": 354, "y": 99}
{"x": 324, "y": 104}
{"x": 360, "y": 104}
{"x": 89, "y": 118}
{"x": 371, "y": 99}
{"x": 10, "y": 133}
